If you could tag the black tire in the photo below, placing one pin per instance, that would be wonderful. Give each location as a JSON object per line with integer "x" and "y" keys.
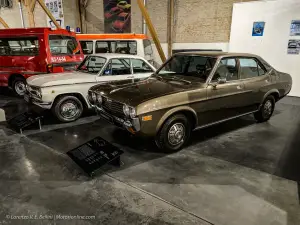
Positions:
{"x": 19, "y": 86}
{"x": 162, "y": 139}
{"x": 266, "y": 110}
{"x": 72, "y": 101}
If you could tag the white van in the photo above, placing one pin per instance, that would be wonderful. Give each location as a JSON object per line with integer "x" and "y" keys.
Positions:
{"x": 134, "y": 44}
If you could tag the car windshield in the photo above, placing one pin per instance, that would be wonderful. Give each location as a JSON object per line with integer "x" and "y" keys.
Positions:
{"x": 92, "y": 64}
{"x": 63, "y": 45}
{"x": 186, "y": 66}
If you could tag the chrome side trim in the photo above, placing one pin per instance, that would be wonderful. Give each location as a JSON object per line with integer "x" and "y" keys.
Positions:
{"x": 221, "y": 121}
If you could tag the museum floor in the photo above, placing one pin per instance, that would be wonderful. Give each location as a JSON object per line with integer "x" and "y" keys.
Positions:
{"x": 236, "y": 173}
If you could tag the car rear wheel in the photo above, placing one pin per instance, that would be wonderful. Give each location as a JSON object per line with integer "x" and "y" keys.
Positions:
{"x": 266, "y": 110}
{"x": 67, "y": 109}
{"x": 174, "y": 134}
{"x": 19, "y": 86}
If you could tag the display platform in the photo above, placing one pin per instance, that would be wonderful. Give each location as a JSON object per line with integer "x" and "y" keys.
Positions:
{"x": 94, "y": 154}
{"x": 24, "y": 120}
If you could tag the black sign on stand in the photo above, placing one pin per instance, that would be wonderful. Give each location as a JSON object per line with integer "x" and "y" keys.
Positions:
{"x": 24, "y": 120}
{"x": 95, "y": 154}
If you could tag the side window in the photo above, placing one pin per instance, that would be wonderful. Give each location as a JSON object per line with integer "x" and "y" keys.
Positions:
{"x": 87, "y": 47}
{"x": 92, "y": 64}
{"x": 102, "y": 47}
{"x": 118, "y": 67}
{"x": 126, "y": 47}
{"x": 250, "y": 68}
{"x": 139, "y": 66}
{"x": 227, "y": 69}
{"x": 19, "y": 46}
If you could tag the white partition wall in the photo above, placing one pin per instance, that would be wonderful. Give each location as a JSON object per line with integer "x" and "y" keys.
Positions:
{"x": 277, "y": 15}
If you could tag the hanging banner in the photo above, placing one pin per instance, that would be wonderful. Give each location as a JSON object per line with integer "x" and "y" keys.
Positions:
{"x": 117, "y": 16}
{"x": 56, "y": 8}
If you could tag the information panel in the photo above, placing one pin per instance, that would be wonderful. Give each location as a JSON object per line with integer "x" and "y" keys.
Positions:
{"x": 94, "y": 154}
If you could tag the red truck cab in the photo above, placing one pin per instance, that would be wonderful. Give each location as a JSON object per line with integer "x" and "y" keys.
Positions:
{"x": 25, "y": 52}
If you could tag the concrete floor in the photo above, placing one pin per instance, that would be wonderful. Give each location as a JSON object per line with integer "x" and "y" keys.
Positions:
{"x": 235, "y": 173}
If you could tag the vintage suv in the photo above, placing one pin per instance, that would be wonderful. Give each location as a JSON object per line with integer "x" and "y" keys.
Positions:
{"x": 190, "y": 91}
{"x": 65, "y": 93}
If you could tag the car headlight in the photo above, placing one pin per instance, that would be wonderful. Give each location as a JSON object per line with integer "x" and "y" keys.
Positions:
{"x": 126, "y": 110}
{"x": 99, "y": 99}
{"x": 38, "y": 92}
{"x": 132, "y": 112}
{"x": 94, "y": 97}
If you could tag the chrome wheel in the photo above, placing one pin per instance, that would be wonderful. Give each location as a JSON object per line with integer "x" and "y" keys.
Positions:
{"x": 69, "y": 110}
{"x": 20, "y": 88}
{"x": 176, "y": 134}
{"x": 268, "y": 108}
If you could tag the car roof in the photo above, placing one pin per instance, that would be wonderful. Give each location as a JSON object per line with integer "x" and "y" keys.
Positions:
{"x": 115, "y": 55}
{"x": 217, "y": 54}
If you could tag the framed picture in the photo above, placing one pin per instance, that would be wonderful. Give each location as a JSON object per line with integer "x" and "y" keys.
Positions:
{"x": 294, "y": 47}
{"x": 258, "y": 28}
{"x": 295, "y": 28}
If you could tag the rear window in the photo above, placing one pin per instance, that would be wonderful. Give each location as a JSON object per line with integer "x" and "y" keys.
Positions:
{"x": 63, "y": 45}
{"x": 20, "y": 46}
{"x": 147, "y": 47}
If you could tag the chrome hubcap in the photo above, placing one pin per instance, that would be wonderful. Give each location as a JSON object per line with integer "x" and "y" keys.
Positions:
{"x": 69, "y": 110}
{"x": 20, "y": 87}
{"x": 268, "y": 107}
{"x": 176, "y": 134}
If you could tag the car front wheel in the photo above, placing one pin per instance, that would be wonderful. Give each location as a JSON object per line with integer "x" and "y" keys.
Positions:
{"x": 67, "y": 109}
{"x": 174, "y": 134}
{"x": 19, "y": 86}
{"x": 266, "y": 110}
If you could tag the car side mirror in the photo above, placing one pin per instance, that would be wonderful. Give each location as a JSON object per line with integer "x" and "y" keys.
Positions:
{"x": 222, "y": 80}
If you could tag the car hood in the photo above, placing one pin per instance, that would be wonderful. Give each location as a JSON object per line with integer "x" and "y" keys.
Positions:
{"x": 61, "y": 79}
{"x": 136, "y": 93}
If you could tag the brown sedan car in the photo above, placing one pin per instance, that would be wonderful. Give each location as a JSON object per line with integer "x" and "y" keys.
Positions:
{"x": 192, "y": 90}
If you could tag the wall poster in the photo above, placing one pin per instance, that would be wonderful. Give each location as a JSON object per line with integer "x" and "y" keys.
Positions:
{"x": 294, "y": 47}
{"x": 258, "y": 28}
{"x": 56, "y": 8}
{"x": 117, "y": 16}
{"x": 295, "y": 28}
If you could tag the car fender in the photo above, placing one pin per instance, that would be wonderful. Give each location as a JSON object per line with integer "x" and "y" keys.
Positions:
{"x": 51, "y": 93}
{"x": 174, "y": 111}
{"x": 272, "y": 91}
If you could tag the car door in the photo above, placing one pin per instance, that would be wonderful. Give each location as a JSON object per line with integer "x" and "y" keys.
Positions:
{"x": 141, "y": 69}
{"x": 116, "y": 69}
{"x": 256, "y": 79}
{"x": 225, "y": 92}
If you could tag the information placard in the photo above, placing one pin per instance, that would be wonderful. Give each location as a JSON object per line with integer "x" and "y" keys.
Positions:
{"x": 94, "y": 154}
{"x": 24, "y": 120}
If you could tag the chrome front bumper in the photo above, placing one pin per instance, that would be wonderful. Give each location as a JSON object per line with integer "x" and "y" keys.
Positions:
{"x": 131, "y": 125}
{"x": 38, "y": 102}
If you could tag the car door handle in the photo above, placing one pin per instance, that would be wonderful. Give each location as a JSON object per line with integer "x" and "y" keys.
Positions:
{"x": 131, "y": 77}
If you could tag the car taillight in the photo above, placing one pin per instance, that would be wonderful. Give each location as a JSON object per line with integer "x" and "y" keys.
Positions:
{"x": 56, "y": 69}
{"x": 49, "y": 68}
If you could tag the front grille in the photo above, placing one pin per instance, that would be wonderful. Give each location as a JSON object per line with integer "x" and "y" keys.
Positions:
{"x": 113, "y": 107}
{"x": 34, "y": 91}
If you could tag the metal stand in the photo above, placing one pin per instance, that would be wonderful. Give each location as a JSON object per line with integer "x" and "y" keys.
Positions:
{"x": 40, "y": 125}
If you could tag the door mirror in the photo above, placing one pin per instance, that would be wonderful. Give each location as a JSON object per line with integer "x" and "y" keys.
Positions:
{"x": 222, "y": 80}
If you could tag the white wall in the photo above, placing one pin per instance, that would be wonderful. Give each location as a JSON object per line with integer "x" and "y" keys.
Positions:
{"x": 273, "y": 45}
